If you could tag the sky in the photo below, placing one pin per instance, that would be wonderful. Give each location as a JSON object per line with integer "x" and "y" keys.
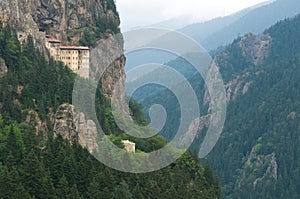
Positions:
{"x": 137, "y": 13}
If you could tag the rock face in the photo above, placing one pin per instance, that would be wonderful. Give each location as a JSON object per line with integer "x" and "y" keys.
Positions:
{"x": 87, "y": 131}
{"x": 64, "y": 124}
{"x": 68, "y": 20}
{"x": 33, "y": 119}
{"x": 3, "y": 68}
{"x": 115, "y": 72}
{"x": 266, "y": 164}
{"x": 61, "y": 19}
{"x": 237, "y": 87}
{"x": 255, "y": 49}
{"x": 108, "y": 62}
{"x": 194, "y": 131}
{"x": 73, "y": 126}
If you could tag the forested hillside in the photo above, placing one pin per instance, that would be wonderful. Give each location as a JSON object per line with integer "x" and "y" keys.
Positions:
{"x": 34, "y": 164}
{"x": 260, "y": 143}
{"x": 257, "y": 154}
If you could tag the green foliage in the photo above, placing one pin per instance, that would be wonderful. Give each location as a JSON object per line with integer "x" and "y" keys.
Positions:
{"x": 285, "y": 38}
{"x": 62, "y": 170}
{"x": 234, "y": 62}
{"x": 53, "y": 168}
{"x": 138, "y": 115}
{"x": 262, "y": 124}
{"x": 94, "y": 33}
{"x": 111, "y": 6}
{"x": 31, "y": 83}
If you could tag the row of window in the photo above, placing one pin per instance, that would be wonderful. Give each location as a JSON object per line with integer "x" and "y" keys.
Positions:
{"x": 77, "y": 63}
{"x": 64, "y": 52}
{"x": 69, "y": 58}
{"x": 68, "y": 52}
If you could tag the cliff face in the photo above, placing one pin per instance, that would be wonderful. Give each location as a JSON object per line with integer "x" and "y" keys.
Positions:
{"x": 255, "y": 49}
{"x": 73, "y": 126}
{"x": 69, "y": 21}
{"x": 61, "y": 19}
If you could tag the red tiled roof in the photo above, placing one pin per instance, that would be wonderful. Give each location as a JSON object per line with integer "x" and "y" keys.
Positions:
{"x": 74, "y": 48}
{"x": 54, "y": 41}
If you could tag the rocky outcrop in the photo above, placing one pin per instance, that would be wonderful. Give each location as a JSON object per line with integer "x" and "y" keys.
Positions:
{"x": 292, "y": 116}
{"x": 3, "y": 68}
{"x": 237, "y": 87}
{"x": 271, "y": 172}
{"x": 64, "y": 124}
{"x": 73, "y": 126}
{"x": 194, "y": 131}
{"x": 255, "y": 49}
{"x": 33, "y": 119}
{"x": 263, "y": 169}
{"x": 87, "y": 131}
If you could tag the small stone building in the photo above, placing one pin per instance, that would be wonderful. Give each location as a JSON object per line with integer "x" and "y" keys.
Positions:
{"x": 129, "y": 146}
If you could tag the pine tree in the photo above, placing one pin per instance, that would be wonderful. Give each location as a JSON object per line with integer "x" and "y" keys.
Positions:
{"x": 74, "y": 194}
{"x": 13, "y": 145}
{"x": 122, "y": 191}
{"x": 93, "y": 190}
{"x": 35, "y": 178}
{"x": 62, "y": 189}
{"x": 10, "y": 186}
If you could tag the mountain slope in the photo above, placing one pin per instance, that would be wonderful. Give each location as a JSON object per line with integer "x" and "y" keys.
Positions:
{"x": 260, "y": 139}
{"x": 256, "y": 156}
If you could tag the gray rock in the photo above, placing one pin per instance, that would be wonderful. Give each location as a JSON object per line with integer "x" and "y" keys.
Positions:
{"x": 3, "y": 68}
{"x": 73, "y": 126}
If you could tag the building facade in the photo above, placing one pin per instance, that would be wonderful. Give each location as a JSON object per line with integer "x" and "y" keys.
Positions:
{"x": 77, "y": 58}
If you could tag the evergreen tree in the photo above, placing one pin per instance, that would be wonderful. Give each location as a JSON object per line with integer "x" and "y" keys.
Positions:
{"x": 35, "y": 178}
{"x": 62, "y": 189}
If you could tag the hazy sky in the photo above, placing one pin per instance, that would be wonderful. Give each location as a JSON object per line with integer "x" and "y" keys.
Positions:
{"x": 136, "y": 13}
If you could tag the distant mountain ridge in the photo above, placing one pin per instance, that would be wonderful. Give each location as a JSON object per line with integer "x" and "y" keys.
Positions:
{"x": 218, "y": 32}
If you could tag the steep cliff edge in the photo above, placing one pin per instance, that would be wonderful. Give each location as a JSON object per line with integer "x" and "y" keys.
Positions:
{"x": 234, "y": 63}
{"x": 74, "y": 22}
{"x": 71, "y": 21}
